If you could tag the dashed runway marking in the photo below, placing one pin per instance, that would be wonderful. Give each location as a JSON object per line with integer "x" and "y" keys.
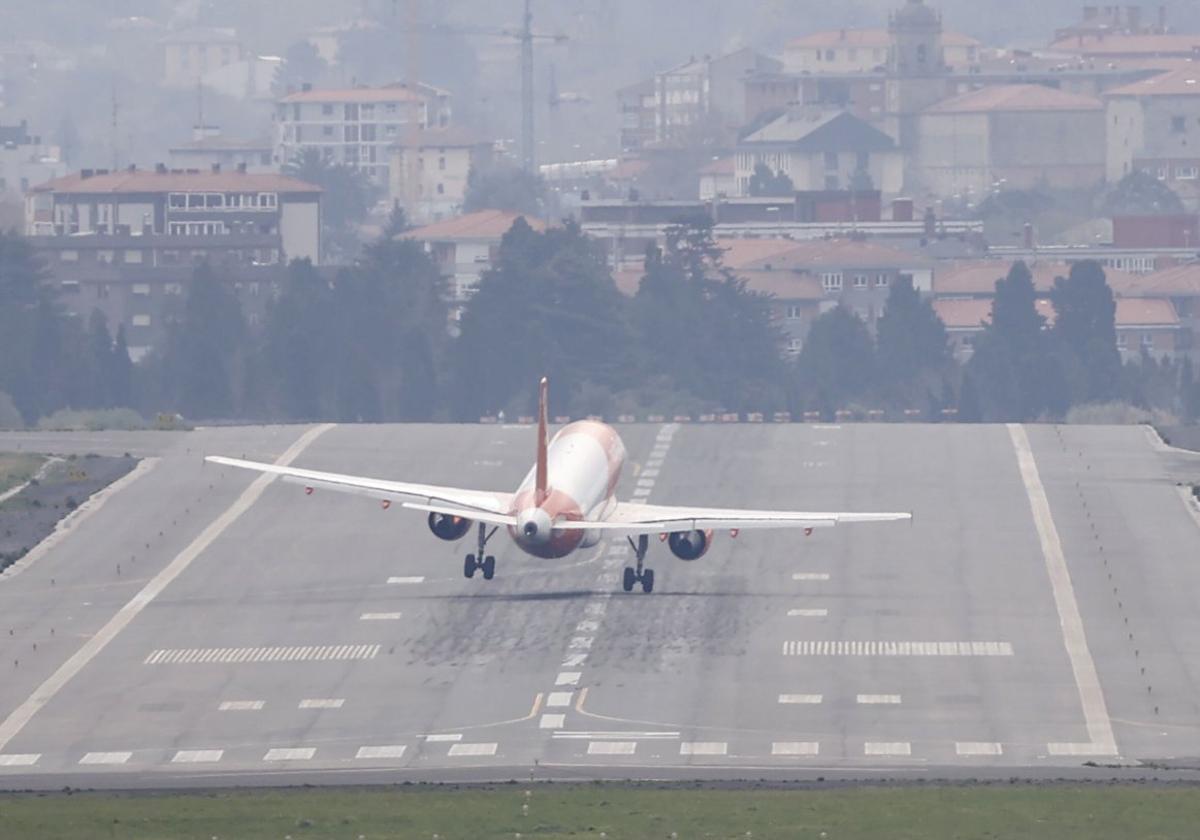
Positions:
{"x": 878, "y": 699}
{"x": 795, "y": 748}
{"x": 197, "y": 756}
{"x": 473, "y": 749}
{"x": 323, "y": 703}
{"x": 392, "y": 616}
{"x": 978, "y": 748}
{"x": 810, "y": 576}
{"x": 290, "y": 754}
{"x": 804, "y": 613}
{"x": 887, "y": 748}
{"x": 552, "y": 721}
{"x": 612, "y": 747}
{"x": 106, "y": 758}
{"x": 19, "y": 759}
{"x": 844, "y": 648}
{"x": 392, "y": 751}
{"x": 407, "y": 579}
{"x": 240, "y": 706}
{"x": 703, "y": 748}
{"x": 443, "y": 736}
{"x": 568, "y": 678}
{"x": 1086, "y": 748}
{"x": 800, "y": 698}
{"x": 237, "y": 656}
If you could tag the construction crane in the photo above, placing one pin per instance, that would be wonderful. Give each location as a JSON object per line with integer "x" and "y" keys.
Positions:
{"x": 525, "y": 36}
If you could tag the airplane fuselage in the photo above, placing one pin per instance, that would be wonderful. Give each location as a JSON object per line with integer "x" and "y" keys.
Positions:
{"x": 583, "y": 461}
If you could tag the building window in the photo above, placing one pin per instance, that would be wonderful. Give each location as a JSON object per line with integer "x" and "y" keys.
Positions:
{"x": 268, "y": 200}
{"x": 442, "y": 162}
{"x": 1163, "y": 172}
{"x": 140, "y": 288}
{"x": 831, "y": 160}
{"x": 793, "y": 345}
{"x": 832, "y": 281}
{"x": 1121, "y": 341}
{"x": 441, "y": 190}
{"x": 829, "y": 55}
{"x": 860, "y": 281}
{"x": 141, "y": 320}
{"x": 177, "y": 200}
{"x": 68, "y": 256}
{"x": 1187, "y": 173}
{"x": 327, "y": 131}
{"x": 793, "y": 312}
{"x": 327, "y": 110}
{"x": 1178, "y": 125}
{"x": 881, "y": 281}
{"x": 1148, "y": 341}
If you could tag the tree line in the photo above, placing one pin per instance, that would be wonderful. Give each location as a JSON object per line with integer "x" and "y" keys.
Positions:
{"x": 380, "y": 340}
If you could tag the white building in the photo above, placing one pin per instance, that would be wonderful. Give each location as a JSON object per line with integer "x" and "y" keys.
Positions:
{"x": 189, "y": 54}
{"x": 866, "y": 51}
{"x": 437, "y": 162}
{"x": 705, "y": 96}
{"x": 1154, "y": 126}
{"x": 25, "y": 161}
{"x": 822, "y": 150}
{"x": 357, "y": 127}
{"x": 209, "y": 148}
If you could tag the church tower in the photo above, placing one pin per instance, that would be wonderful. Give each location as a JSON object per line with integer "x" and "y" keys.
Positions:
{"x": 916, "y": 72}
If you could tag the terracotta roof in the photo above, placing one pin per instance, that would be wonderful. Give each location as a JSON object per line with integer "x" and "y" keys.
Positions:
{"x": 150, "y": 181}
{"x": 392, "y": 93}
{"x": 484, "y": 224}
{"x": 975, "y": 313}
{"x": 1004, "y": 98}
{"x": 1177, "y": 281}
{"x": 810, "y": 254}
{"x": 868, "y": 38}
{"x": 1184, "y": 81}
{"x": 628, "y": 169}
{"x": 785, "y": 285}
{"x": 822, "y": 131}
{"x": 1146, "y": 312}
{"x": 1109, "y": 45}
{"x": 978, "y": 277}
{"x": 720, "y": 166}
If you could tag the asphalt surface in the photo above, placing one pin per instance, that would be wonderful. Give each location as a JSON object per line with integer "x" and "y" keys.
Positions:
{"x": 201, "y": 627}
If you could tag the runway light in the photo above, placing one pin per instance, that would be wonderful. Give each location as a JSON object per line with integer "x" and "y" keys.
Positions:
{"x": 387, "y": 503}
{"x": 308, "y": 491}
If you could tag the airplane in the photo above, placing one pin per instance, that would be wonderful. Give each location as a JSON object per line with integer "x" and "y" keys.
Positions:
{"x": 566, "y": 502}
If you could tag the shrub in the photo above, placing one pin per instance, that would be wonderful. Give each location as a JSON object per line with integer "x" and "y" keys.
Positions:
{"x": 1108, "y": 414}
{"x": 124, "y": 419}
{"x": 10, "y": 418}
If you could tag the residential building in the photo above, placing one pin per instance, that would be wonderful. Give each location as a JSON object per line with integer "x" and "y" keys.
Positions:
{"x": 167, "y": 217}
{"x": 188, "y": 54}
{"x": 209, "y": 148}
{"x": 636, "y": 109}
{"x": 1125, "y": 48}
{"x": 866, "y": 51}
{"x": 1153, "y": 126}
{"x": 1148, "y": 325}
{"x": 822, "y": 150}
{"x": 1019, "y": 136}
{"x": 1098, "y": 21}
{"x": 705, "y": 98}
{"x": 464, "y": 247}
{"x": 438, "y": 162}
{"x": 977, "y": 278}
{"x": 718, "y": 179}
{"x": 24, "y": 161}
{"x": 358, "y": 126}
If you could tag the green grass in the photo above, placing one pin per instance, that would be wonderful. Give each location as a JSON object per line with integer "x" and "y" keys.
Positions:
{"x": 622, "y": 812}
{"x": 17, "y": 468}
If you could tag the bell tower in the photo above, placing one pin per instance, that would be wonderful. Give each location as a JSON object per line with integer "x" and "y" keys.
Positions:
{"x": 916, "y": 71}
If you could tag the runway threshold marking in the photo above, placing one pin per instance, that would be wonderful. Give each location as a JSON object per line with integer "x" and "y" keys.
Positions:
{"x": 612, "y": 748}
{"x": 19, "y": 759}
{"x": 290, "y": 754}
{"x": 322, "y": 703}
{"x": 106, "y": 758}
{"x": 877, "y": 648}
{"x": 810, "y": 576}
{"x": 703, "y": 748}
{"x": 1091, "y": 695}
{"x": 197, "y": 756}
{"x": 887, "y": 748}
{"x": 45, "y": 692}
{"x": 971, "y": 748}
{"x": 387, "y": 616}
{"x": 277, "y": 653}
{"x": 878, "y": 699}
{"x": 795, "y": 748}
{"x": 461, "y": 750}
{"x": 240, "y": 706}
{"x": 390, "y": 751}
{"x": 557, "y": 699}
{"x": 800, "y": 698}
{"x": 808, "y": 613}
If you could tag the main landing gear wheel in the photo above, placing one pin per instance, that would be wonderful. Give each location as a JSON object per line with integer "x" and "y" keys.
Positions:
{"x": 640, "y": 574}
{"x": 487, "y": 564}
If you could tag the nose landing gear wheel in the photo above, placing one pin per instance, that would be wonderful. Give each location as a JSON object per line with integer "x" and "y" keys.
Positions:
{"x": 469, "y": 566}
{"x": 489, "y": 567}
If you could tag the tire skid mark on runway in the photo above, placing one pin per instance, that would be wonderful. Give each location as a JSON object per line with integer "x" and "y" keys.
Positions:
{"x": 594, "y": 610}
{"x": 20, "y": 717}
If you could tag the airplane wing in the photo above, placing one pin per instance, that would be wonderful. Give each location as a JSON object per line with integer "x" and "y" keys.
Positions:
{"x": 637, "y": 518}
{"x": 479, "y": 505}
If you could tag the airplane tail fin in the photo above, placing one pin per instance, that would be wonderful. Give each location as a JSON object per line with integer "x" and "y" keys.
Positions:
{"x": 543, "y": 410}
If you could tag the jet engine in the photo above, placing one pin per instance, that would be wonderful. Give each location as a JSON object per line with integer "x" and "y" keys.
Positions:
{"x": 447, "y": 527}
{"x": 689, "y": 545}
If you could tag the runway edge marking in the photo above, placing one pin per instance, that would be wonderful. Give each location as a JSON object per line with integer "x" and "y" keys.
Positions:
{"x": 1087, "y": 681}
{"x": 44, "y": 693}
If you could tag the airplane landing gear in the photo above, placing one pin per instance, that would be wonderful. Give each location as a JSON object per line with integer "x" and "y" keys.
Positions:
{"x": 485, "y": 563}
{"x": 640, "y": 575}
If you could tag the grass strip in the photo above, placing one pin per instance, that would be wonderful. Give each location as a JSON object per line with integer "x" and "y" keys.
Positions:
{"x": 619, "y": 812}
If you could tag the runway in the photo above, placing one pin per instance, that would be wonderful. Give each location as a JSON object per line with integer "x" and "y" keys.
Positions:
{"x": 207, "y": 628}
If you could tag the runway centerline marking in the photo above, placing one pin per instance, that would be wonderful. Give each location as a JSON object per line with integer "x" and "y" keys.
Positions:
{"x": 237, "y": 656}
{"x": 800, "y": 698}
{"x": 197, "y": 756}
{"x": 552, "y": 721}
{"x": 887, "y": 748}
{"x": 459, "y": 750}
{"x": 240, "y": 706}
{"x": 878, "y": 699}
{"x": 1091, "y": 694}
{"x": 558, "y": 699}
{"x": 808, "y": 613}
{"x": 405, "y": 579}
{"x": 290, "y": 754}
{"x": 978, "y": 748}
{"x": 381, "y": 616}
{"x": 703, "y": 748}
{"x": 391, "y": 751}
{"x": 810, "y": 576}
{"x": 323, "y": 703}
{"x": 612, "y": 747}
{"x": 438, "y": 737}
{"x": 45, "y": 692}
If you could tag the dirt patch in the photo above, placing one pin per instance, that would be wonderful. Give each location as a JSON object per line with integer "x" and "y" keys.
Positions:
{"x": 30, "y": 516}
